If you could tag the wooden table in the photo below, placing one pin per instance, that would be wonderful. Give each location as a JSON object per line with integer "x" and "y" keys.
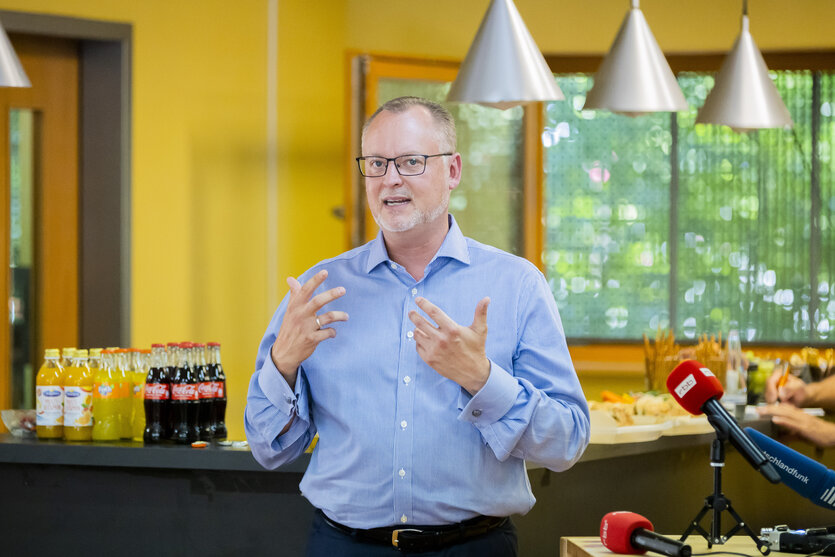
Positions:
{"x": 591, "y": 546}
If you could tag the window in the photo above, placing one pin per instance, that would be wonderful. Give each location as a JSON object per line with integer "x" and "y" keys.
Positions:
{"x": 657, "y": 222}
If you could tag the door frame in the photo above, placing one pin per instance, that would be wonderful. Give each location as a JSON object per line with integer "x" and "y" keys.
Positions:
{"x": 105, "y": 159}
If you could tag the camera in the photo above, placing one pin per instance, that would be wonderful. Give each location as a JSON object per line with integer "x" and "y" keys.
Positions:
{"x": 812, "y": 540}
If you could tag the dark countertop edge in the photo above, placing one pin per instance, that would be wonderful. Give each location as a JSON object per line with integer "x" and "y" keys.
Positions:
{"x": 136, "y": 455}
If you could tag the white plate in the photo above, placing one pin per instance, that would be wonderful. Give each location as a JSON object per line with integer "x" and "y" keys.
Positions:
{"x": 689, "y": 425}
{"x": 605, "y": 431}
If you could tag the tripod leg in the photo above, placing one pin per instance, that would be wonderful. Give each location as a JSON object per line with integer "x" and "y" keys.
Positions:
{"x": 762, "y": 545}
{"x": 696, "y": 526}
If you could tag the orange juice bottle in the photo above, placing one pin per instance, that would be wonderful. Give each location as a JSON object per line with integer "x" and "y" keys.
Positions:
{"x": 140, "y": 373}
{"x": 78, "y": 399}
{"x": 50, "y": 397}
{"x": 107, "y": 401}
{"x": 124, "y": 370}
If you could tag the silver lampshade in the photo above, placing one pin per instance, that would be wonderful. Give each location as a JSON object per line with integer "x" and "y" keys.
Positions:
{"x": 11, "y": 72}
{"x": 504, "y": 67}
{"x": 634, "y": 77}
{"x": 744, "y": 97}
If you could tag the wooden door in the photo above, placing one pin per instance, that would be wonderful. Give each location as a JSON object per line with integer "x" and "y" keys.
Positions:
{"x": 39, "y": 139}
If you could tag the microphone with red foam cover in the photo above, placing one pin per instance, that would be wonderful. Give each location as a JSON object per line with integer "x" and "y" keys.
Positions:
{"x": 698, "y": 391}
{"x": 631, "y": 533}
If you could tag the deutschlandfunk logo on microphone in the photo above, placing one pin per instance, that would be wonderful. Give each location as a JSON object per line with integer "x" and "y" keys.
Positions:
{"x": 791, "y": 471}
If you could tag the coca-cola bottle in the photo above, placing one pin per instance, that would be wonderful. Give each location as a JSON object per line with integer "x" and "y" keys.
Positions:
{"x": 157, "y": 397}
{"x": 205, "y": 392}
{"x": 218, "y": 379}
{"x": 185, "y": 404}
{"x": 172, "y": 354}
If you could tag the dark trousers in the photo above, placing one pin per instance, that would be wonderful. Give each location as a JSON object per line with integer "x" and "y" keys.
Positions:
{"x": 326, "y": 541}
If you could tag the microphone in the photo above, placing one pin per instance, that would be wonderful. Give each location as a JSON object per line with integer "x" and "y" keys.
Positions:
{"x": 626, "y": 532}
{"x": 698, "y": 391}
{"x": 807, "y": 477}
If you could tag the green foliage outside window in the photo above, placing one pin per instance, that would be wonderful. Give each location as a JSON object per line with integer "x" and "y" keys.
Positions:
{"x": 658, "y": 222}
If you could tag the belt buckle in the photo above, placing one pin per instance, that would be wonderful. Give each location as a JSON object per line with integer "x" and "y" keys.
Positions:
{"x": 396, "y": 533}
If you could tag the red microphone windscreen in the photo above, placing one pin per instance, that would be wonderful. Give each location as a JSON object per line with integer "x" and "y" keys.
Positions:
{"x": 692, "y": 384}
{"x": 616, "y": 531}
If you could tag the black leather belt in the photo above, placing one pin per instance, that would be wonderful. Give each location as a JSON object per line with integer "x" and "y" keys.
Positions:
{"x": 422, "y": 538}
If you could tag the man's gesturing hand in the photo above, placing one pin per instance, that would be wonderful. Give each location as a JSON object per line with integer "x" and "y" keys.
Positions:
{"x": 300, "y": 331}
{"x": 456, "y": 352}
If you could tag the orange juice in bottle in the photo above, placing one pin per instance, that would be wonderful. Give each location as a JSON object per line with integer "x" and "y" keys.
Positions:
{"x": 49, "y": 395}
{"x": 107, "y": 400}
{"x": 124, "y": 371}
{"x": 78, "y": 399}
{"x": 140, "y": 373}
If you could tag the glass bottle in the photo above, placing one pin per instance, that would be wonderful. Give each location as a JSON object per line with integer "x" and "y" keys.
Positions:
{"x": 49, "y": 397}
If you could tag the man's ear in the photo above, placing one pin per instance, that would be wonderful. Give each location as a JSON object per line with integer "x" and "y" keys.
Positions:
{"x": 455, "y": 166}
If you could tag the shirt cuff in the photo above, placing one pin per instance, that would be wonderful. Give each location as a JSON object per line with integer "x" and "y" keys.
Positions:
{"x": 276, "y": 388}
{"x": 493, "y": 401}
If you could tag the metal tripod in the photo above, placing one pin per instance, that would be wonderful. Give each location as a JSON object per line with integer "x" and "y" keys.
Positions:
{"x": 717, "y": 502}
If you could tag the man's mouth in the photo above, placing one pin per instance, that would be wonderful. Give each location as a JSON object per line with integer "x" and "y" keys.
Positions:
{"x": 395, "y": 201}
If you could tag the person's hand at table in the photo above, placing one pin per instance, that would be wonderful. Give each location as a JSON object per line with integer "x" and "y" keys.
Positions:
{"x": 793, "y": 392}
{"x": 799, "y": 423}
{"x": 455, "y": 351}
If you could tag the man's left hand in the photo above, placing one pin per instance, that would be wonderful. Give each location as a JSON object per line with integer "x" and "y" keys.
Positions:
{"x": 455, "y": 351}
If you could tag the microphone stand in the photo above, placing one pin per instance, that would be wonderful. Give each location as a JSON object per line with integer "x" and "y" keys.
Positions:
{"x": 717, "y": 502}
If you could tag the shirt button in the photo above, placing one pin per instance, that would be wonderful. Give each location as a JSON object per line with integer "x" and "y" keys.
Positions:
{"x": 407, "y": 379}
{"x": 476, "y": 413}
{"x": 414, "y": 291}
{"x": 403, "y": 519}
{"x": 289, "y": 400}
{"x": 410, "y": 334}
{"x": 402, "y": 473}
{"x": 403, "y": 424}
{"x": 394, "y": 266}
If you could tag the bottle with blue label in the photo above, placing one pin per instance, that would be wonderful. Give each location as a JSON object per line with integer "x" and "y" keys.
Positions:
{"x": 49, "y": 396}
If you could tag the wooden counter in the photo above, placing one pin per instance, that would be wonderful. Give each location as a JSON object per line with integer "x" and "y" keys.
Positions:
{"x": 591, "y": 546}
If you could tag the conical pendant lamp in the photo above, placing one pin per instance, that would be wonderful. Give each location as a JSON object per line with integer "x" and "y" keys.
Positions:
{"x": 744, "y": 97}
{"x": 634, "y": 77}
{"x": 504, "y": 67}
{"x": 11, "y": 72}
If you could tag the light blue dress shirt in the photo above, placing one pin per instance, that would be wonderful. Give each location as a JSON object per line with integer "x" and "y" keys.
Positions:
{"x": 398, "y": 442}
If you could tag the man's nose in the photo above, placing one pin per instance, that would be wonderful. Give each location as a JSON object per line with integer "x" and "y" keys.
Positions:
{"x": 392, "y": 176}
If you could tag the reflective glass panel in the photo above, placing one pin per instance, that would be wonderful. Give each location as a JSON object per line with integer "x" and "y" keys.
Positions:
{"x": 22, "y": 168}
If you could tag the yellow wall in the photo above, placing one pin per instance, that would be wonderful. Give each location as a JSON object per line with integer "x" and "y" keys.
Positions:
{"x": 199, "y": 92}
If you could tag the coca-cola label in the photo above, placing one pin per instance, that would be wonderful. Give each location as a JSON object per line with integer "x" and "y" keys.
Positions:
{"x": 156, "y": 391}
{"x": 184, "y": 391}
{"x": 205, "y": 390}
{"x": 217, "y": 389}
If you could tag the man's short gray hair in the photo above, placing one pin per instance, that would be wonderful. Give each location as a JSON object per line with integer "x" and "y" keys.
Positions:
{"x": 446, "y": 124}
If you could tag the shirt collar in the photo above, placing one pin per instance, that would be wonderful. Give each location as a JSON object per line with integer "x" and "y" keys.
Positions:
{"x": 454, "y": 246}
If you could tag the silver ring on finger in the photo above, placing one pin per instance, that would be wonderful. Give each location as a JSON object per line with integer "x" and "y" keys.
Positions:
{"x": 317, "y": 322}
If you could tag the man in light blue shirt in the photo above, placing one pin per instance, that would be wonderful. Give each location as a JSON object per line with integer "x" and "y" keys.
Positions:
{"x": 427, "y": 405}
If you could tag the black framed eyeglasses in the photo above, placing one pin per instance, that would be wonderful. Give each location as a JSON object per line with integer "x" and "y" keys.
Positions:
{"x": 406, "y": 165}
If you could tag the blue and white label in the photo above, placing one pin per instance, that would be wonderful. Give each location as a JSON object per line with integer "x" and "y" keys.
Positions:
{"x": 49, "y": 402}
